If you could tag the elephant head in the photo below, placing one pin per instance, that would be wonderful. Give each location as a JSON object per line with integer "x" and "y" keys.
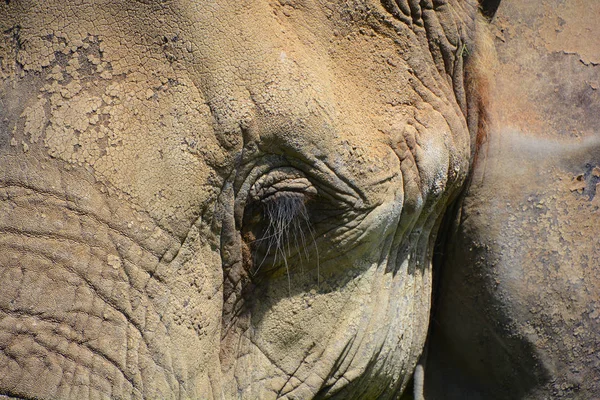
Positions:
{"x": 222, "y": 199}
{"x": 226, "y": 199}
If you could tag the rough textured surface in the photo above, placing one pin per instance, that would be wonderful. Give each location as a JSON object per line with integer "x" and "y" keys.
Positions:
{"x": 517, "y": 310}
{"x": 141, "y": 143}
{"x": 547, "y": 80}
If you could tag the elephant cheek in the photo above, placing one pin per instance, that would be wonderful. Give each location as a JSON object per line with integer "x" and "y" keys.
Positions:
{"x": 305, "y": 338}
{"x": 96, "y": 300}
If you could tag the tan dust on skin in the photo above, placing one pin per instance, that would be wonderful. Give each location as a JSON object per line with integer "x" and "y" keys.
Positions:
{"x": 150, "y": 102}
{"x": 519, "y": 308}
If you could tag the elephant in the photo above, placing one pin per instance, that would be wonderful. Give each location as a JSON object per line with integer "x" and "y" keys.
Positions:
{"x": 269, "y": 199}
{"x": 517, "y": 298}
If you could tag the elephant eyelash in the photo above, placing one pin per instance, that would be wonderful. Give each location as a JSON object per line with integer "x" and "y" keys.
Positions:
{"x": 287, "y": 228}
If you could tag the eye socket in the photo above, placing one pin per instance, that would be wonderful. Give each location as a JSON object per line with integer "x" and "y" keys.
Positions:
{"x": 277, "y": 224}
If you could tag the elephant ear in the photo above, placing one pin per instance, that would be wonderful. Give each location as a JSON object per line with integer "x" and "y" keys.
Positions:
{"x": 489, "y": 7}
{"x": 519, "y": 290}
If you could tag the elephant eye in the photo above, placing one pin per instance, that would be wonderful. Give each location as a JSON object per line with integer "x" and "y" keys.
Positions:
{"x": 277, "y": 223}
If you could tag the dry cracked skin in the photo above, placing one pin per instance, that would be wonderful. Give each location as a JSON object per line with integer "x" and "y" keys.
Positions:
{"x": 222, "y": 199}
{"x": 192, "y": 192}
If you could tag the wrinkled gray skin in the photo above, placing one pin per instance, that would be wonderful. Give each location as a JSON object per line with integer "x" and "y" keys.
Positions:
{"x": 225, "y": 199}
{"x": 240, "y": 199}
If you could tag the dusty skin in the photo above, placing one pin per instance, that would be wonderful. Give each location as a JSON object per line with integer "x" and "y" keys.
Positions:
{"x": 518, "y": 295}
{"x": 151, "y": 151}
{"x": 241, "y": 199}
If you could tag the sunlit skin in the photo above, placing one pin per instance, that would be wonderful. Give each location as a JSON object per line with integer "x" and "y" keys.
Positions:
{"x": 226, "y": 199}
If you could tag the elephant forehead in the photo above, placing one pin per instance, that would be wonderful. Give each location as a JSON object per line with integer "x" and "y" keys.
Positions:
{"x": 150, "y": 94}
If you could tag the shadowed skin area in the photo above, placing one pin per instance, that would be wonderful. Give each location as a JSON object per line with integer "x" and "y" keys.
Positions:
{"x": 224, "y": 199}
{"x": 516, "y": 314}
{"x": 516, "y": 306}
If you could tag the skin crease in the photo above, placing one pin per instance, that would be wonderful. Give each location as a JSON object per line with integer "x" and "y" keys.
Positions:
{"x": 133, "y": 136}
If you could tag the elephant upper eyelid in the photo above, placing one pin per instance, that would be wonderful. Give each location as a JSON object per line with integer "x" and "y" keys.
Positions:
{"x": 281, "y": 180}
{"x": 296, "y": 186}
